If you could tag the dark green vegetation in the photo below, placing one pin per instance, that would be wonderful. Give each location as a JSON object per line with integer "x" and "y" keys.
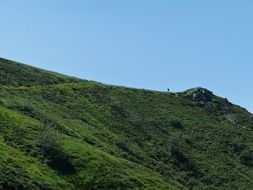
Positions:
{"x": 58, "y": 132}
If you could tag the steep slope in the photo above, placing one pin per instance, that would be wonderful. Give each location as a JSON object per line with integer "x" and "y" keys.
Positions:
{"x": 16, "y": 74}
{"x": 58, "y": 132}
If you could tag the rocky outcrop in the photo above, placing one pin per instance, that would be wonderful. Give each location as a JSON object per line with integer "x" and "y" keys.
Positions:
{"x": 199, "y": 94}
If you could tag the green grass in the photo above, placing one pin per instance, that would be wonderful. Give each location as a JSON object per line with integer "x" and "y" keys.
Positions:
{"x": 109, "y": 137}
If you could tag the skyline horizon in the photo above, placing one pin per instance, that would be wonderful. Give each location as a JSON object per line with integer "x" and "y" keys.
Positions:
{"x": 165, "y": 90}
{"x": 140, "y": 44}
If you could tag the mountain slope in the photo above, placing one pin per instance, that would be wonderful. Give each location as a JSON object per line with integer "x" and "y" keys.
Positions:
{"x": 58, "y": 132}
{"x": 16, "y": 74}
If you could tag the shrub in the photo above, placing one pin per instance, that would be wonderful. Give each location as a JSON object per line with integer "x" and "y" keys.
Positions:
{"x": 50, "y": 147}
{"x": 247, "y": 158}
{"x": 176, "y": 123}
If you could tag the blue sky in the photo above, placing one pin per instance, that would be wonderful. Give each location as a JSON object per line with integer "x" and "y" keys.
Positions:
{"x": 154, "y": 44}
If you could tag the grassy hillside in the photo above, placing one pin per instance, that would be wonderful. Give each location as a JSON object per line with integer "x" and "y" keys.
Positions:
{"x": 58, "y": 132}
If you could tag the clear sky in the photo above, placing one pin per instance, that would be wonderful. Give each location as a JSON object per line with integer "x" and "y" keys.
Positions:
{"x": 154, "y": 44}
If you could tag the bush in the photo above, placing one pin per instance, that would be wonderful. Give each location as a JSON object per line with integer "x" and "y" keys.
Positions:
{"x": 247, "y": 158}
{"x": 176, "y": 123}
{"x": 50, "y": 147}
